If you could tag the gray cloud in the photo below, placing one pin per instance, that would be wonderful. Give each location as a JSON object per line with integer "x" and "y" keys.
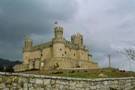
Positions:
{"x": 107, "y": 25}
{"x": 33, "y": 17}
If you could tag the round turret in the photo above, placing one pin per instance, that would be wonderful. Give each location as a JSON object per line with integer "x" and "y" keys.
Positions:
{"x": 58, "y": 45}
{"x": 27, "y": 42}
{"x": 58, "y": 31}
{"x": 77, "y": 39}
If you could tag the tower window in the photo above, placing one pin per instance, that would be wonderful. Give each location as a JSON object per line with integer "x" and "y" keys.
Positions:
{"x": 60, "y": 49}
{"x": 74, "y": 54}
{"x": 65, "y": 52}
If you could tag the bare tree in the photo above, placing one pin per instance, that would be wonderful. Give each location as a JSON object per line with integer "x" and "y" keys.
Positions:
{"x": 130, "y": 53}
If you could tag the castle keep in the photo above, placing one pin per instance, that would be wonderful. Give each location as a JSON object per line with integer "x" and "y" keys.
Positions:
{"x": 58, "y": 53}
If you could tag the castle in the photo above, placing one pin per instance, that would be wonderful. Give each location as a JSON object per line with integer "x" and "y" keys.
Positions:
{"x": 58, "y": 53}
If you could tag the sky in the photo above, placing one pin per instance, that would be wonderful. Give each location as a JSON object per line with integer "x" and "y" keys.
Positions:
{"x": 107, "y": 26}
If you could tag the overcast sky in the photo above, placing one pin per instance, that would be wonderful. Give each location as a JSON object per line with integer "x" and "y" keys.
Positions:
{"x": 108, "y": 26}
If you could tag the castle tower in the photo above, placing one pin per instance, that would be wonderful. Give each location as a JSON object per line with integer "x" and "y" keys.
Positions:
{"x": 26, "y": 49}
{"x": 58, "y": 41}
{"x": 77, "y": 39}
{"x": 58, "y": 32}
{"x": 27, "y": 42}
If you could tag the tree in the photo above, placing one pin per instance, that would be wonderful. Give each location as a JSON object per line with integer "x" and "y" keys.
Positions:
{"x": 130, "y": 53}
{"x": 1, "y": 69}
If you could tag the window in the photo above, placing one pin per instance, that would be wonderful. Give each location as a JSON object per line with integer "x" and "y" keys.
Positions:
{"x": 65, "y": 52}
{"x": 62, "y": 54}
{"x": 60, "y": 49}
{"x": 74, "y": 54}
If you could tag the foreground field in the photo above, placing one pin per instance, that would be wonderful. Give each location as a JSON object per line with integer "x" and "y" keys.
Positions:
{"x": 96, "y": 73}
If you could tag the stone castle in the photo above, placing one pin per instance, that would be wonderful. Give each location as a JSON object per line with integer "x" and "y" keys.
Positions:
{"x": 58, "y": 53}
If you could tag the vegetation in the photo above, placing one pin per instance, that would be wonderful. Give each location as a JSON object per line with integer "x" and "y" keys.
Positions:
{"x": 96, "y": 73}
{"x": 109, "y": 73}
{"x": 7, "y": 65}
{"x": 130, "y": 53}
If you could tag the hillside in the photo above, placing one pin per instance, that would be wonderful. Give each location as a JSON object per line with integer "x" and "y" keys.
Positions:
{"x": 7, "y": 63}
{"x": 95, "y": 73}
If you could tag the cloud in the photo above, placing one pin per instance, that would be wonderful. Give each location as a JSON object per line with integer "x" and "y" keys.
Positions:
{"x": 33, "y": 17}
{"x": 107, "y": 25}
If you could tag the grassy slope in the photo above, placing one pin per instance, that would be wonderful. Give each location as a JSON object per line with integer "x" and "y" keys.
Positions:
{"x": 110, "y": 73}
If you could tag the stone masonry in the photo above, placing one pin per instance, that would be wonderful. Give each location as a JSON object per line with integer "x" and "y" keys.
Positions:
{"x": 19, "y": 81}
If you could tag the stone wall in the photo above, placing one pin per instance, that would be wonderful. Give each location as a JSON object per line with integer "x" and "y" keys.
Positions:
{"x": 21, "y": 67}
{"x": 18, "y": 81}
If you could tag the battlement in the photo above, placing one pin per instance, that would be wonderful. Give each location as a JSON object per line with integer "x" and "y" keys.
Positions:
{"x": 58, "y": 29}
{"x": 77, "y": 39}
{"x": 58, "y": 32}
{"x": 27, "y": 43}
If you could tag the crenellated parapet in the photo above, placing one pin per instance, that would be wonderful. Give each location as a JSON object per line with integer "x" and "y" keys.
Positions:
{"x": 77, "y": 39}
{"x": 58, "y": 33}
{"x": 28, "y": 43}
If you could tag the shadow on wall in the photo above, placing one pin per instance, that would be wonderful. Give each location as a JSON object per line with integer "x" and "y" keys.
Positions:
{"x": 113, "y": 88}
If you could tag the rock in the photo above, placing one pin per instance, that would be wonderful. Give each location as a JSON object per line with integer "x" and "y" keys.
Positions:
{"x": 101, "y": 75}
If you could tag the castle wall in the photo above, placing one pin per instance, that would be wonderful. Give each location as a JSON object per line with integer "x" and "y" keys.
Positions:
{"x": 16, "y": 81}
{"x": 83, "y": 55}
{"x": 47, "y": 53}
{"x": 58, "y": 50}
{"x": 21, "y": 67}
{"x": 35, "y": 54}
{"x": 67, "y": 52}
{"x": 73, "y": 54}
{"x": 66, "y": 57}
{"x": 26, "y": 57}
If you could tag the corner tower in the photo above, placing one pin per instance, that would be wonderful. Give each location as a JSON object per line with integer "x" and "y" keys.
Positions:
{"x": 27, "y": 43}
{"x": 58, "y": 32}
{"x": 26, "y": 50}
{"x": 77, "y": 39}
{"x": 58, "y": 41}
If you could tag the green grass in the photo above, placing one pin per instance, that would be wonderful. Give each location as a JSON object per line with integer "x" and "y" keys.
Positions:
{"x": 108, "y": 72}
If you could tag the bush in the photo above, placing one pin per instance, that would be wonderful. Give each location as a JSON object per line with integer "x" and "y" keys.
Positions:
{"x": 72, "y": 71}
{"x": 9, "y": 69}
{"x": 58, "y": 72}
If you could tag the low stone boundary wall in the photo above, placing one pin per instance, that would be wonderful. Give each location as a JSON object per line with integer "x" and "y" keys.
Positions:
{"x": 20, "y": 81}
